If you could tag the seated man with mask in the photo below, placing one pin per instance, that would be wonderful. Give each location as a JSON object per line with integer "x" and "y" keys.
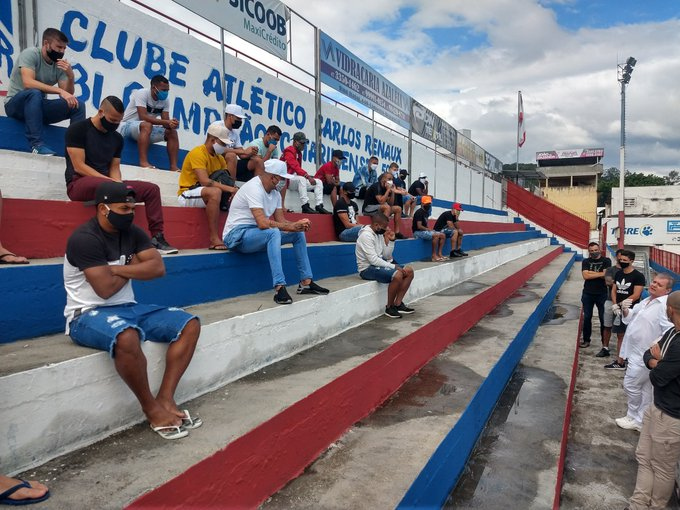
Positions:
{"x": 421, "y": 230}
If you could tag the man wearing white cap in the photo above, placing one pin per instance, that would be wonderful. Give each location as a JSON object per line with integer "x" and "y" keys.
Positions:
{"x": 237, "y": 157}
{"x": 198, "y": 184}
{"x": 419, "y": 187}
{"x": 256, "y": 223}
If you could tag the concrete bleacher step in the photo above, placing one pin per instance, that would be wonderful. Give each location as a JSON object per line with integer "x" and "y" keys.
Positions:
{"x": 232, "y": 411}
{"x": 60, "y": 403}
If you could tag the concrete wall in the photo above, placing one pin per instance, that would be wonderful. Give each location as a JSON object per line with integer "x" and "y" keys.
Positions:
{"x": 581, "y": 200}
{"x": 648, "y": 200}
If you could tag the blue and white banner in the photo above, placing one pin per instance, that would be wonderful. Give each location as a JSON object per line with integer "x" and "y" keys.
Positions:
{"x": 426, "y": 123}
{"x": 646, "y": 231}
{"x": 350, "y": 75}
{"x": 263, "y": 23}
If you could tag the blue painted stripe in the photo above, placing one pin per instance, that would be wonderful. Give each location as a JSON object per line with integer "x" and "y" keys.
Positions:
{"x": 435, "y": 482}
{"x": 437, "y": 202}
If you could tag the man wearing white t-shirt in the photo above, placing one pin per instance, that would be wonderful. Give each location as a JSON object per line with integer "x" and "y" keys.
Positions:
{"x": 147, "y": 120}
{"x": 239, "y": 162}
{"x": 250, "y": 228}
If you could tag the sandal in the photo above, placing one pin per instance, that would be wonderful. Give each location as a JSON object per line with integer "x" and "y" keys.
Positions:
{"x": 10, "y": 254}
{"x": 218, "y": 247}
{"x": 170, "y": 431}
{"x": 191, "y": 423}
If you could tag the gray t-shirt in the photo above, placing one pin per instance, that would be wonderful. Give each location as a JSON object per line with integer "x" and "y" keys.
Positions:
{"x": 31, "y": 58}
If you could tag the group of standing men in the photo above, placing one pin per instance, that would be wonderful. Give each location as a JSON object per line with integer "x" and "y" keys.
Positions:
{"x": 649, "y": 351}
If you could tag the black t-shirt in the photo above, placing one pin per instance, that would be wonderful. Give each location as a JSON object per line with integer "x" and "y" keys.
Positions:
{"x": 100, "y": 148}
{"x": 342, "y": 206}
{"x": 444, "y": 218}
{"x": 417, "y": 185}
{"x": 626, "y": 283}
{"x": 665, "y": 377}
{"x": 399, "y": 199}
{"x": 372, "y": 192}
{"x": 597, "y": 285}
{"x": 420, "y": 216}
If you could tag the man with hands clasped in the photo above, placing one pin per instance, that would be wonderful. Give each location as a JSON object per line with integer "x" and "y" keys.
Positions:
{"x": 380, "y": 198}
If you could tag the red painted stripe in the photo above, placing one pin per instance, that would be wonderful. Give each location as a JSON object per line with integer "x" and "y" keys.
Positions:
{"x": 259, "y": 463}
{"x": 567, "y": 420}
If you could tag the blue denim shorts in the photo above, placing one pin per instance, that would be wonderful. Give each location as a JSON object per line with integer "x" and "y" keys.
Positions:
{"x": 448, "y": 232}
{"x": 427, "y": 235}
{"x": 99, "y": 328}
{"x": 379, "y": 274}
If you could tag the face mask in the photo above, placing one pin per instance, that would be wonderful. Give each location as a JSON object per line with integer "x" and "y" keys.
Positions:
{"x": 121, "y": 222}
{"x": 388, "y": 184}
{"x": 380, "y": 231}
{"x": 624, "y": 265}
{"x": 351, "y": 195}
{"x": 423, "y": 180}
{"x": 54, "y": 55}
{"x": 108, "y": 125}
{"x": 427, "y": 208}
{"x": 236, "y": 124}
{"x": 395, "y": 174}
{"x": 162, "y": 95}
{"x": 594, "y": 254}
{"x": 219, "y": 149}
{"x": 272, "y": 142}
{"x": 372, "y": 166}
{"x": 280, "y": 185}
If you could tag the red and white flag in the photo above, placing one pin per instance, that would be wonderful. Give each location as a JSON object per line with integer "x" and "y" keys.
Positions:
{"x": 521, "y": 131}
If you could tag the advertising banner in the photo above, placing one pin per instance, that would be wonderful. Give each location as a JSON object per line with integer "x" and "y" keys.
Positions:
{"x": 9, "y": 44}
{"x": 427, "y": 124}
{"x": 263, "y": 23}
{"x": 570, "y": 154}
{"x": 493, "y": 164}
{"x": 646, "y": 231}
{"x": 350, "y": 75}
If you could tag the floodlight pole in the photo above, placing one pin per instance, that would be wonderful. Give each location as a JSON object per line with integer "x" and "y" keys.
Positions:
{"x": 625, "y": 71}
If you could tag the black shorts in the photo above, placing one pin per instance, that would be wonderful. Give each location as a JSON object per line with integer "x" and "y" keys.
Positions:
{"x": 242, "y": 172}
{"x": 328, "y": 188}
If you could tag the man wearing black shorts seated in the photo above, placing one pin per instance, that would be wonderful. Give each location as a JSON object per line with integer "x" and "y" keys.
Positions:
{"x": 103, "y": 256}
{"x": 448, "y": 224}
{"x": 241, "y": 164}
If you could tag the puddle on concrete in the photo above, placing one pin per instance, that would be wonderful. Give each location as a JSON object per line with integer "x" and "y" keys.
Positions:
{"x": 559, "y": 313}
{"x": 523, "y": 295}
{"x": 462, "y": 289}
{"x": 506, "y": 463}
{"x": 501, "y": 310}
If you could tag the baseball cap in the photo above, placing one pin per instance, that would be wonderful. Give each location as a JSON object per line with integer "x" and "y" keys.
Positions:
{"x": 112, "y": 192}
{"x": 337, "y": 153}
{"x": 426, "y": 199}
{"x": 457, "y": 206}
{"x": 422, "y": 174}
{"x": 403, "y": 171}
{"x": 349, "y": 187}
{"x": 234, "y": 109}
{"x": 300, "y": 137}
{"x": 219, "y": 130}
{"x": 277, "y": 167}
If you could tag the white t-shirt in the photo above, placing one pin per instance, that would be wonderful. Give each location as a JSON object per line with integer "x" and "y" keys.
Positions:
{"x": 251, "y": 195}
{"x": 143, "y": 98}
{"x": 234, "y": 135}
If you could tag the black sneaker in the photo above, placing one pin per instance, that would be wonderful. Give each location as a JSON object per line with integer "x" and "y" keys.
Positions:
{"x": 392, "y": 312}
{"x": 615, "y": 365}
{"x": 604, "y": 352}
{"x": 402, "y": 308}
{"x": 308, "y": 210}
{"x": 312, "y": 288}
{"x": 320, "y": 209}
{"x": 584, "y": 345}
{"x": 454, "y": 254}
{"x": 158, "y": 241}
{"x": 399, "y": 235}
{"x": 462, "y": 253}
{"x": 282, "y": 297}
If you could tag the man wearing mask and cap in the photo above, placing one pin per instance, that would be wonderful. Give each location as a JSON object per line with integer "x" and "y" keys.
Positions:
{"x": 329, "y": 175}
{"x": 102, "y": 258}
{"x": 197, "y": 184}
{"x": 93, "y": 148}
{"x": 345, "y": 215}
{"x": 365, "y": 175}
{"x": 402, "y": 198}
{"x": 256, "y": 223}
{"x": 447, "y": 223}
{"x": 421, "y": 230}
{"x": 300, "y": 180}
{"x": 240, "y": 162}
{"x": 419, "y": 187}
{"x": 35, "y": 74}
{"x": 147, "y": 120}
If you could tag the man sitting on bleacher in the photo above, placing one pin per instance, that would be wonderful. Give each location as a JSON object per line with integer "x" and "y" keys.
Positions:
{"x": 93, "y": 148}
{"x": 250, "y": 229}
{"x": 374, "y": 260}
{"x": 103, "y": 256}
{"x": 35, "y": 73}
{"x": 448, "y": 224}
{"x": 421, "y": 229}
{"x": 240, "y": 162}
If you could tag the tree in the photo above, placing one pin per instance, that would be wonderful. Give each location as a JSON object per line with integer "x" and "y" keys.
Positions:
{"x": 672, "y": 178}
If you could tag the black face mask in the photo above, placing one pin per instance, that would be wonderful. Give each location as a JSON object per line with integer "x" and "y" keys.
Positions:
{"x": 351, "y": 195}
{"x": 624, "y": 265}
{"x": 119, "y": 221}
{"x": 427, "y": 208}
{"x": 107, "y": 124}
{"x": 236, "y": 124}
{"x": 380, "y": 231}
{"x": 54, "y": 55}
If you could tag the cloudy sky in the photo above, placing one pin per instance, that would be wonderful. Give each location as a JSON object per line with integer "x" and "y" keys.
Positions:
{"x": 466, "y": 60}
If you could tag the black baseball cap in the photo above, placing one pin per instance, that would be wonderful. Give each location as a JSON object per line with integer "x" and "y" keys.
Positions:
{"x": 337, "y": 153}
{"x": 349, "y": 187}
{"x": 403, "y": 171}
{"x": 112, "y": 192}
{"x": 300, "y": 137}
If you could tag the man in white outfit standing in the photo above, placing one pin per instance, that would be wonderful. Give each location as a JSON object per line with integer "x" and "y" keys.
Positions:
{"x": 646, "y": 322}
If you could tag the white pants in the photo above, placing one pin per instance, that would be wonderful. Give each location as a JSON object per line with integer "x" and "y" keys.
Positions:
{"x": 302, "y": 185}
{"x": 638, "y": 388}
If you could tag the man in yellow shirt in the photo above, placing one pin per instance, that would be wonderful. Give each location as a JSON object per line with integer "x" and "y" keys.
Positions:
{"x": 197, "y": 184}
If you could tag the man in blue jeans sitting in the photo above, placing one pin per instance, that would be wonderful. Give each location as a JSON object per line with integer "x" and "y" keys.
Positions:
{"x": 256, "y": 223}
{"x": 36, "y": 72}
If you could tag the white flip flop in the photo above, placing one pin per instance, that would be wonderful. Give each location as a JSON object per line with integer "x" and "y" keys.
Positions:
{"x": 170, "y": 431}
{"x": 191, "y": 423}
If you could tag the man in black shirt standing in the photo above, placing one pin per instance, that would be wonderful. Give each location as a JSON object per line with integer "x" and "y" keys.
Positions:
{"x": 93, "y": 148}
{"x": 658, "y": 449}
{"x": 594, "y": 292}
{"x": 103, "y": 256}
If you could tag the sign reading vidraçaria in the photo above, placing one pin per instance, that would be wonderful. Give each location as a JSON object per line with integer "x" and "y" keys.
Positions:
{"x": 263, "y": 23}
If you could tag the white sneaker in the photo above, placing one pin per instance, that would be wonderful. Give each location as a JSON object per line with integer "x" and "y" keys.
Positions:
{"x": 628, "y": 423}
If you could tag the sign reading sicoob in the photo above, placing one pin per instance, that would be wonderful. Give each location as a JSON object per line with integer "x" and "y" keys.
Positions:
{"x": 263, "y": 23}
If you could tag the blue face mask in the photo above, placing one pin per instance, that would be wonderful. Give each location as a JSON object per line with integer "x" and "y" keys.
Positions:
{"x": 162, "y": 95}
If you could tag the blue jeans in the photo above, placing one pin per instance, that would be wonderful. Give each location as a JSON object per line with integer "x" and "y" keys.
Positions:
{"x": 588, "y": 301}
{"x": 31, "y": 106}
{"x": 379, "y": 274}
{"x": 350, "y": 235}
{"x": 254, "y": 239}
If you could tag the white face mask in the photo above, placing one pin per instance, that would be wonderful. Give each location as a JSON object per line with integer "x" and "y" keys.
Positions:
{"x": 280, "y": 185}
{"x": 423, "y": 180}
{"x": 219, "y": 149}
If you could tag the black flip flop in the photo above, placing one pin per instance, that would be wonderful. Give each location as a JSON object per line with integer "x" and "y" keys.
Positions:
{"x": 9, "y": 254}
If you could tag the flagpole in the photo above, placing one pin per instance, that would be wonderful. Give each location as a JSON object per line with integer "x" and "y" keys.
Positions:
{"x": 519, "y": 93}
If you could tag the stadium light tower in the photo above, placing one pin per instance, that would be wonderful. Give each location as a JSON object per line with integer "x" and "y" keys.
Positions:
{"x": 624, "y": 74}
